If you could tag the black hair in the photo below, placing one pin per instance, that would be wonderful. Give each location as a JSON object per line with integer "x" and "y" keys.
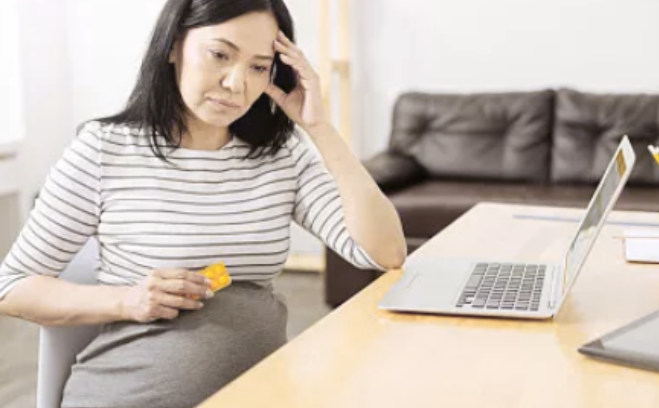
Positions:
{"x": 155, "y": 103}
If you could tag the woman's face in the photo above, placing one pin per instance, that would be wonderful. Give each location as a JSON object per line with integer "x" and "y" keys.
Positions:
{"x": 223, "y": 69}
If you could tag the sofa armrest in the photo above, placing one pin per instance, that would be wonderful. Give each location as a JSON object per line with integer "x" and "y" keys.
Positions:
{"x": 393, "y": 170}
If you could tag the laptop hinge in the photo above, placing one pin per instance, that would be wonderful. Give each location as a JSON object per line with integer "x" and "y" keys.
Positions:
{"x": 553, "y": 290}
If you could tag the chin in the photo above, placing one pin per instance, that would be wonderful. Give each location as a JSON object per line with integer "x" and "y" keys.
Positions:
{"x": 220, "y": 121}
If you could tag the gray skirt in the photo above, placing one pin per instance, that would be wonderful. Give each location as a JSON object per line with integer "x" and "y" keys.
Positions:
{"x": 178, "y": 363}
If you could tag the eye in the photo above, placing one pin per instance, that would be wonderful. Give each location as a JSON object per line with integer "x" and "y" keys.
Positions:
{"x": 220, "y": 55}
{"x": 260, "y": 69}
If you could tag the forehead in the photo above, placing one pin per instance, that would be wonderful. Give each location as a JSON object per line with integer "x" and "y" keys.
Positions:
{"x": 253, "y": 33}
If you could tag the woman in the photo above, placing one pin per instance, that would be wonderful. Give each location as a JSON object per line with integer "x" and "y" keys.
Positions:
{"x": 202, "y": 166}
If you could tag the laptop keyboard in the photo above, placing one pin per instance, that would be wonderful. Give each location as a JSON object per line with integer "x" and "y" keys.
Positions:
{"x": 504, "y": 286}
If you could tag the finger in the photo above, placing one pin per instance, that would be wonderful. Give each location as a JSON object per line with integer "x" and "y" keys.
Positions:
{"x": 284, "y": 49}
{"x": 282, "y": 37}
{"x": 281, "y": 49}
{"x": 289, "y": 44}
{"x": 294, "y": 58}
{"x": 178, "y": 302}
{"x": 184, "y": 287}
{"x": 170, "y": 273}
{"x": 288, "y": 60}
{"x": 163, "y": 312}
{"x": 304, "y": 71}
{"x": 184, "y": 274}
{"x": 276, "y": 94}
{"x": 307, "y": 79}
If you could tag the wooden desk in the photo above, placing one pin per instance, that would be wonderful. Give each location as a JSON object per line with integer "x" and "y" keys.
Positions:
{"x": 359, "y": 356}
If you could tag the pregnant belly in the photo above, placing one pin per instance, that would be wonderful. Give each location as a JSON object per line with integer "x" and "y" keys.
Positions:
{"x": 178, "y": 363}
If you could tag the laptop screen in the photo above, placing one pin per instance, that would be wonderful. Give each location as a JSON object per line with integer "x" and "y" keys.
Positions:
{"x": 587, "y": 232}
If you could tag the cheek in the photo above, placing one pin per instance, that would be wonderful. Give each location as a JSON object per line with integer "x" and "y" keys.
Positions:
{"x": 256, "y": 88}
{"x": 194, "y": 79}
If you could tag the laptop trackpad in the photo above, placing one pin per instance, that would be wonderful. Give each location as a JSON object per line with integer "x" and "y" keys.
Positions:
{"x": 437, "y": 283}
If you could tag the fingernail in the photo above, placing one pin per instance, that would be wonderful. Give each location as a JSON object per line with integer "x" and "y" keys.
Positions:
{"x": 208, "y": 281}
{"x": 200, "y": 305}
{"x": 209, "y": 294}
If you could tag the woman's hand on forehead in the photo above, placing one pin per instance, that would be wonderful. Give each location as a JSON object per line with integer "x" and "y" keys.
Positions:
{"x": 304, "y": 104}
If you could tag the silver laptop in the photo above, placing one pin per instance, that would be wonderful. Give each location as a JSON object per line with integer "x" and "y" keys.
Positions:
{"x": 508, "y": 288}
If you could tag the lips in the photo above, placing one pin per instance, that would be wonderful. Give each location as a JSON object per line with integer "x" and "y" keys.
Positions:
{"x": 223, "y": 103}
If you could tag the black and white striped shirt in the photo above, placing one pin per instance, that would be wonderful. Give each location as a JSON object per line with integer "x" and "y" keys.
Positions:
{"x": 200, "y": 208}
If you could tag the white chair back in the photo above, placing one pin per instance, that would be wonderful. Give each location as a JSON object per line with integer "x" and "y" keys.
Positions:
{"x": 59, "y": 346}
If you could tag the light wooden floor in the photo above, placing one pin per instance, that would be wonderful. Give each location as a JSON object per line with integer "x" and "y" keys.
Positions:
{"x": 19, "y": 340}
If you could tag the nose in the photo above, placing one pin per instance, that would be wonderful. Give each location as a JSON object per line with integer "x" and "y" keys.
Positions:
{"x": 234, "y": 80}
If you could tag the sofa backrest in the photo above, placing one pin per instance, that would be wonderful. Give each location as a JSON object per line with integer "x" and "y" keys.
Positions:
{"x": 502, "y": 136}
{"x": 588, "y": 128}
{"x": 562, "y": 136}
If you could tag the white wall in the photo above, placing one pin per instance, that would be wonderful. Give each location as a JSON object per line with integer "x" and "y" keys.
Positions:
{"x": 107, "y": 39}
{"x": 79, "y": 61}
{"x": 46, "y": 84}
{"x": 11, "y": 116}
{"x": 11, "y": 104}
{"x": 485, "y": 45}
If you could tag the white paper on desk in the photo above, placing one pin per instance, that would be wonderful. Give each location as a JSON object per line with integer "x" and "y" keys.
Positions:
{"x": 641, "y": 232}
{"x": 642, "y": 245}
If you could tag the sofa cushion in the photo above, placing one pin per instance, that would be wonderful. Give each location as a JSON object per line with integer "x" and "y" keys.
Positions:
{"x": 589, "y": 127}
{"x": 503, "y": 136}
{"x": 428, "y": 207}
{"x": 392, "y": 170}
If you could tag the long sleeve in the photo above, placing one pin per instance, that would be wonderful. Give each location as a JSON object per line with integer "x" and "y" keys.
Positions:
{"x": 65, "y": 215}
{"x": 319, "y": 207}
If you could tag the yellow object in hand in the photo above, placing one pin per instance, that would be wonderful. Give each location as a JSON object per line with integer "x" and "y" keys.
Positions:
{"x": 218, "y": 275}
{"x": 655, "y": 153}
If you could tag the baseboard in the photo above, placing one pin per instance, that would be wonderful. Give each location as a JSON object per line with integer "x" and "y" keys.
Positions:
{"x": 305, "y": 263}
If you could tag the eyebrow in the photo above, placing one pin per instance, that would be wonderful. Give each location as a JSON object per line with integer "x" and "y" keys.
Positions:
{"x": 237, "y": 49}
